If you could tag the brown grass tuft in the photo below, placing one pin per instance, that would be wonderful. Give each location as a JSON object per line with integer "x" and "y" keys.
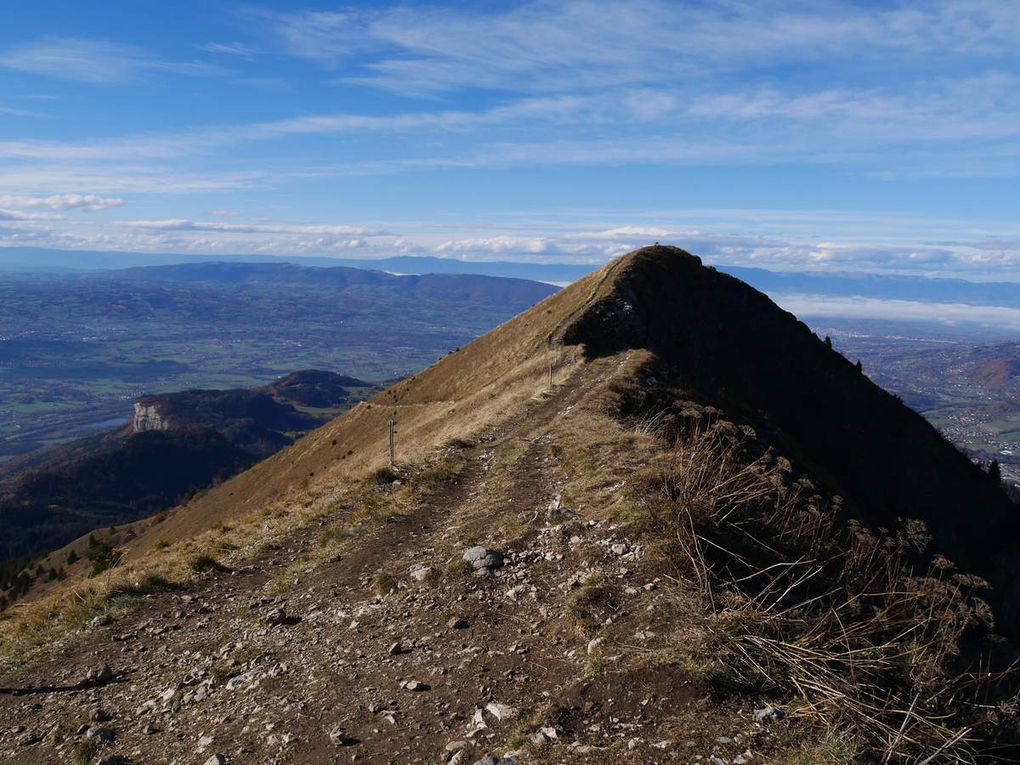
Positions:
{"x": 800, "y": 602}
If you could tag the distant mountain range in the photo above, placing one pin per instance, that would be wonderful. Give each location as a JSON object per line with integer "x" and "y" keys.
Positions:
{"x": 38, "y": 260}
{"x": 841, "y": 284}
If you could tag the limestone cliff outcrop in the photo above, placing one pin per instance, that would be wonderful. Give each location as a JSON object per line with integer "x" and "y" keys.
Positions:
{"x": 148, "y": 417}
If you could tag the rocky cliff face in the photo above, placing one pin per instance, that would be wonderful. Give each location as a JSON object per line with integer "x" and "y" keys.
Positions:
{"x": 148, "y": 417}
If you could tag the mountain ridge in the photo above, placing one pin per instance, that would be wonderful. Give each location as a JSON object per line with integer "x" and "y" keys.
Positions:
{"x": 602, "y": 315}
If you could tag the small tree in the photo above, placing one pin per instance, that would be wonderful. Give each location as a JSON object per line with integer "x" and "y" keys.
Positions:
{"x": 103, "y": 557}
{"x": 994, "y": 471}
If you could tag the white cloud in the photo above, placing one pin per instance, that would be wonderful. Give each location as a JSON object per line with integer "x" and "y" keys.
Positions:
{"x": 249, "y": 228}
{"x": 81, "y": 59}
{"x": 578, "y": 82}
{"x": 230, "y": 49}
{"x": 62, "y": 202}
{"x": 773, "y": 239}
{"x": 815, "y": 306}
{"x": 18, "y": 215}
{"x": 494, "y": 245}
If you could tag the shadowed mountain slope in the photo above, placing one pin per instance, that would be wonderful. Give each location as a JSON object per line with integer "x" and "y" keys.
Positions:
{"x": 732, "y": 346}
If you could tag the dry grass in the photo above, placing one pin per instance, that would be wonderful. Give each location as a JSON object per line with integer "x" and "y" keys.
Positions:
{"x": 358, "y": 505}
{"x": 800, "y": 603}
{"x": 51, "y": 618}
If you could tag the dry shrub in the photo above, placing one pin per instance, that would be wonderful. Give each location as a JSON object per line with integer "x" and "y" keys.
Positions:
{"x": 802, "y": 601}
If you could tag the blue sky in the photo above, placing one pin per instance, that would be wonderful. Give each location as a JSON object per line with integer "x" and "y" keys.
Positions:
{"x": 819, "y": 135}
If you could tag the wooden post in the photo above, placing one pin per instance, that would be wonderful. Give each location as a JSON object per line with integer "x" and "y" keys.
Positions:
{"x": 393, "y": 442}
{"x": 549, "y": 353}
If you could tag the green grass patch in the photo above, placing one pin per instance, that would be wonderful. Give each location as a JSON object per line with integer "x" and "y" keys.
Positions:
{"x": 384, "y": 475}
{"x": 149, "y": 584}
{"x": 220, "y": 674}
{"x": 835, "y": 750}
{"x": 385, "y": 583}
{"x": 205, "y": 563}
{"x": 86, "y": 751}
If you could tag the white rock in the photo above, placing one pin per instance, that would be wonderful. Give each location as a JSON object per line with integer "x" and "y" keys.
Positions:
{"x": 239, "y": 680}
{"x": 419, "y": 571}
{"x": 501, "y": 711}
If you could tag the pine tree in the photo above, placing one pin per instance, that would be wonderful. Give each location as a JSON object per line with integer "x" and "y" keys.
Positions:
{"x": 994, "y": 471}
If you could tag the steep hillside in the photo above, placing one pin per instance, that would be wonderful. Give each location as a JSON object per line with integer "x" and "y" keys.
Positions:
{"x": 176, "y": 444}
{"x": 652, "y": 519}
{"x": 729, "y": 345}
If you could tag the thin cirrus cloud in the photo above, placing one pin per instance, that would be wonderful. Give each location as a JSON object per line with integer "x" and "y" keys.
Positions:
{"x": 19, "y": 216}
{"x": 12, "y": 111}
{"x": 62, "y": 202}
{"x": 230, "y": 49}
{"x": 582, "y": 43}
{"x": 825, "y": 127}
{"x": 93, "y": 61}
{"x": 250, "y": 228}
{"x": 172, "y": 145}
